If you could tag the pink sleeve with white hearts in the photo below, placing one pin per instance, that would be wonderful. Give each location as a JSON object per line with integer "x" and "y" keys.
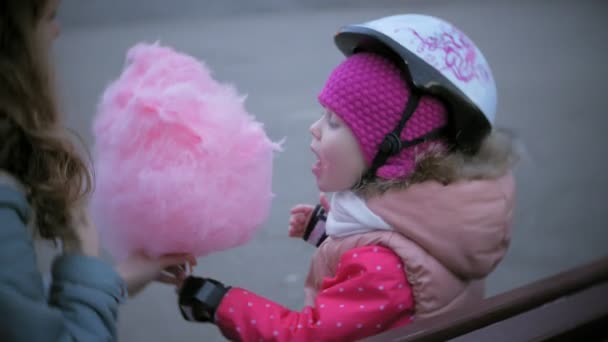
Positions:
{"x": 369, "y": 294}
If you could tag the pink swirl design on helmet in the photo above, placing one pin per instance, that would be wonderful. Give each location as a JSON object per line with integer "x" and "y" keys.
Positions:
{"x": 458, "y": 52}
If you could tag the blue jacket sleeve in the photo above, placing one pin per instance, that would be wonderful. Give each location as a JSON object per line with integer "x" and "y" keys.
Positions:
{"x": 85, "y": 291}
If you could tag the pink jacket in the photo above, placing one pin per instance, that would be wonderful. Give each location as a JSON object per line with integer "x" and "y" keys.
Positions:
{"x": 445, "y": 241}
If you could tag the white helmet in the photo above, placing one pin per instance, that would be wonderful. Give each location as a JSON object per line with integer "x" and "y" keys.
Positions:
{"x": 440, "y": 60}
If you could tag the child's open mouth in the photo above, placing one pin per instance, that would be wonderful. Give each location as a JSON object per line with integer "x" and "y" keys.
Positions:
{"x": 317, "y": 167}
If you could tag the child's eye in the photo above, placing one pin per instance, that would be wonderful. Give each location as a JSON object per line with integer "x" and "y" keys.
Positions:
{"x": 332, "y": 120}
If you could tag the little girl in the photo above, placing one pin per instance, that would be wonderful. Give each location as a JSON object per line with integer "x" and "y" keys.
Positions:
{"x": 422, "y": 192}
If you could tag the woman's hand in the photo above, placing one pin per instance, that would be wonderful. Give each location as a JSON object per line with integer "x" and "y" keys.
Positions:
{"x": 86, "y": 239}
{"x": 139, "y": 270}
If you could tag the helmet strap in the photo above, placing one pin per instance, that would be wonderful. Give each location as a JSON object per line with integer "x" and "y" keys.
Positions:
{"x": 392, "y": 144}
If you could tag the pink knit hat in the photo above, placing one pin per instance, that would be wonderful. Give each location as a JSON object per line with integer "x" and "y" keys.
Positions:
{"x": 369, "y": 93}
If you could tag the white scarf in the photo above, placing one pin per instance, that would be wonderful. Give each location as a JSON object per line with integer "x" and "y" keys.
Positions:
{"x": 348, "y": 215}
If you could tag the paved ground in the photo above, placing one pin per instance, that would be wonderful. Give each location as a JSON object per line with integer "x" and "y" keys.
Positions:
{"x": 548, "y": 59}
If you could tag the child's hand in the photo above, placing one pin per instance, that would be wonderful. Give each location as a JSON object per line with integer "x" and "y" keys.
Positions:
{"x": 139, "y": 270}
{"x": 300, "y": 216}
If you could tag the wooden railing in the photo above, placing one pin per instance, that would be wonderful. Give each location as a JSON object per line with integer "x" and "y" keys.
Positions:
{"x": 571, "y": 306}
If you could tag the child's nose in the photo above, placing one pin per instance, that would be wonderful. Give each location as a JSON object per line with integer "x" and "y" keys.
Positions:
{"x": 315, "y": 130}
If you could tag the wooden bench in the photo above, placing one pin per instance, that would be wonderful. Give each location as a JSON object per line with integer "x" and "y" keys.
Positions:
{"x": 571, "y": 306}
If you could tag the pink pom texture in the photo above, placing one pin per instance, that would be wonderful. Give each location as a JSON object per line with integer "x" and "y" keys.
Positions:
{"x": 180, "y": 165}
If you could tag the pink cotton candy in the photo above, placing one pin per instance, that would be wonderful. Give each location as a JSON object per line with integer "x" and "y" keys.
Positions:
{"x": 180, "y": 165}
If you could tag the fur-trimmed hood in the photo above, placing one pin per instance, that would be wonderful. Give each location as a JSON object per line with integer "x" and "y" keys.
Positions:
{"x": 458, "y": 208}
{"x": 465, "y": 225}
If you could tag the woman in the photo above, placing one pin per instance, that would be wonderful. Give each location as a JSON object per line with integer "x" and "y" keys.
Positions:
{"x": 44, "y": 185}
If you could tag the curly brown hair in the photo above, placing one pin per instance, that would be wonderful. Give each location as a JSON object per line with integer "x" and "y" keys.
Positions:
{"x": 35, "y": 148}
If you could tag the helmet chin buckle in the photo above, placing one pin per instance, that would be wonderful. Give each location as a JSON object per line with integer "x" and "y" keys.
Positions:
{"x": 391, "y": 145}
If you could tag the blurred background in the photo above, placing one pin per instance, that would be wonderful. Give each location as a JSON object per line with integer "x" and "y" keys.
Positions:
{"x": 547, "y": 58}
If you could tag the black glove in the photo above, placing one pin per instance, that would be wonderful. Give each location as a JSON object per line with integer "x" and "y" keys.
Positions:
{"x": 316, "y": 225}
{"x": 199, "y": 298}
